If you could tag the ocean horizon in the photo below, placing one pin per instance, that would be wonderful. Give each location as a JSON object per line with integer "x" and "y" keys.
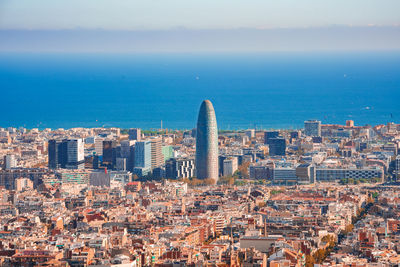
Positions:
{"x": 248, "y": 90}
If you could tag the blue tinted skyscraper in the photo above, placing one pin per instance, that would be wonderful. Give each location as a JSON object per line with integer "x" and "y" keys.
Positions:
{"x": 67, "y": 153}
{"x": 269, "y": 135}
{"x": 135, "y": 134}
{"x": 142, "y": 158}
{"x": 207, "y": 143}
{"x": 57, "y": 156}
{"x": 277, "y": 146}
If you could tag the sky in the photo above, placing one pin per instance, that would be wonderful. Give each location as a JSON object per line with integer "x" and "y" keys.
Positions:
{"x": 194, "y": 14}
{"x": 198, "y": 25}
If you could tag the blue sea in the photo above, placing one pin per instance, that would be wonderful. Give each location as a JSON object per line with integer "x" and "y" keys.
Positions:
{"x": 262, "y": 90}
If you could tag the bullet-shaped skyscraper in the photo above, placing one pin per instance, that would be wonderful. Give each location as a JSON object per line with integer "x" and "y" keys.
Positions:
{"x": 207, "y": 143}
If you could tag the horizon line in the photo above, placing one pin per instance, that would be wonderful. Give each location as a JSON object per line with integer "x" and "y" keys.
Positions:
{"x": 183, "y": 28}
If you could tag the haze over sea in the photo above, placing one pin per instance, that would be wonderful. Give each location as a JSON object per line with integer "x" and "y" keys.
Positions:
{"x": 266, "y": 90}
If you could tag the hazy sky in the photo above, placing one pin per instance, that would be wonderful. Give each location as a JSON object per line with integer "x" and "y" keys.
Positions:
{"x": 195, "y": 14}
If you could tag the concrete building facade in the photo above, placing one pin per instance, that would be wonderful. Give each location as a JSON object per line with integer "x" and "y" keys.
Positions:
{"x": 312, "y": 128}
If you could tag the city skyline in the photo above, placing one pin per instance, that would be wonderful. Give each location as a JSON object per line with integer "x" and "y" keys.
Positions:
{"x": 273, "y": 190}
{"x": 186, "y": 133}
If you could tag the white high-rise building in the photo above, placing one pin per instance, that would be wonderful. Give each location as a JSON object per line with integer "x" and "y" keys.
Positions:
{"x": 157, "y": 158}
{"x": 75, "y": 153}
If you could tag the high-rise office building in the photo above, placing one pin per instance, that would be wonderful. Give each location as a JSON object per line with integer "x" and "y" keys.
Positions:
{"x": 143, "y": 154}
{"x": 126, "y": 148}
{"x": 116, "y": 153}
{"x": 397, "y": 166}
{"x": 96, "y": 162}
{"x": 67, "y": 153}
{"x": 135, "y": 134}
{"x": 142, "y": 157}
{"x": 312, "y": 128}
{"x": 98, "y": 146}
{"x": 108, "y": 153}
{"x": 277, "y": 146}
{"x": 207, "y": 143}
{"x": 55, "y": 154}
{"x": 75, "y": 154}
{"x": 127, "y": 152}
{"x": 130, "y": 165}
{"x": 157, "y": 157}
{"x": 269, "y": 135}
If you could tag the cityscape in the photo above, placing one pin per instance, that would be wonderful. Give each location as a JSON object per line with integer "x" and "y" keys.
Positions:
{"x": 186, "y": 133}
{"x": 323, "y": 195}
